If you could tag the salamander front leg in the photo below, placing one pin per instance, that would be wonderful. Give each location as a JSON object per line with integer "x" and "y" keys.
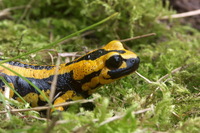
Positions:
{"x": 67, "y": 96}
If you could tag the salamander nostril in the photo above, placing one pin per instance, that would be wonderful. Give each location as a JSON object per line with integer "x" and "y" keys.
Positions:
{"x": 135, "y": 60}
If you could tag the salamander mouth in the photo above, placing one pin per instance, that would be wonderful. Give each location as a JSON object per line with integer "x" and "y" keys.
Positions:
{"x": 132, "y": 65}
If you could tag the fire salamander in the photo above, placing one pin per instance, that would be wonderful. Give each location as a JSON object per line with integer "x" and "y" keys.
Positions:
{"x": 76, "y": 80}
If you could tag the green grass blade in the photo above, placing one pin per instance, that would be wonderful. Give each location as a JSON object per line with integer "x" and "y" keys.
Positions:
{"x": 25, "y": 79}
{"x": 60, "y": 40}
{"x": 6, "y": 83}
{"x": 4, "y": 103}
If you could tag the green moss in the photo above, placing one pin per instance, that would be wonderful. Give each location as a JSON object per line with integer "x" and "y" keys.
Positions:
{"x": 174, "y": 102}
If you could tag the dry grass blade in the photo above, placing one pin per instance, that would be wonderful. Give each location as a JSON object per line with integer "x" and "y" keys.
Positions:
{"x": 172, "y": 72}
{"x": 53, "y": 85}
{"x": 69, "y": 54}
{"x": 138, "y": 37}
{"x": 52, "y": 124}
{"x": 26, "y": 10}
{"x": 146, "y": 79}
{"x": 117, "y": 117}
{"x": 182, "y": 15}
{"x": 5, "y": 13}
{"x": 7, "y": 95}
{"x": 160, "y": 80}
{"x": 48, "y": 107}
{"x": 52, "y": 59}
{"x": 163, "y": 77}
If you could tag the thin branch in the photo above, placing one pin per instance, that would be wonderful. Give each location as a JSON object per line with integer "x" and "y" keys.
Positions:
{"x": 7, "y": 95}
{"x": 69, "y": 54}
{"x": 163, "y": 77}
{"x": 172, "y": 72}
{"x": 13, "y": 8}
{"x": 137, "y": 37}
{"x": 147, "y": 80}
{"x": 5, "y": 13}
{"x": 53, "y": 85}
{"x": 34, "y": 117}
{"x": 54, "y": 82}
{"x": 117, "y": 117}
{"x": 114, "y": 118}
{"x": 48, "y": 107}
{"x": 142, "y": 111}
{"x": 26, "y": 10}
{"x": 52, "y": 59}
{"x": 52, "y": 124}
{"x": 182, "y": 15}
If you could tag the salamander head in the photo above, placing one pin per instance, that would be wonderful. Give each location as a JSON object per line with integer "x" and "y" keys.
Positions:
{"x": 103, "y": 66}
{"x": 119, "y": 62}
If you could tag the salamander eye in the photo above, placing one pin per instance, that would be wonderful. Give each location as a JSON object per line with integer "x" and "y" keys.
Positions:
{"x": 114, "y": 62}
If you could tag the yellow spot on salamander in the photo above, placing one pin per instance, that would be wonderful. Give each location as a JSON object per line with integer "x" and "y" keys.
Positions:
{"x": 67, "y": 96}
{"x": 31, "y": 98}
{"x": 46, "y": 94}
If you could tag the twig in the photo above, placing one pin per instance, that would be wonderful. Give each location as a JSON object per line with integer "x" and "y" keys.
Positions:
{"x": 163, "y": 77}
{"x": 117, "y": 117}
{"x": 53, "y": 85}
{"x": 47, "y": 107}
{"x": 39, "y": 118}
{"x": 13, "y": 8}
{"x": 172, "y": 72}
{"x": 167, "y": 75}
{"x": 7, "y": 95}
{"x": 64, "y": 121}
{"x": 34, "y": 117}
{"x": 82, "y": 129}
{"x": 26, "y": 10}
{"x": 5, "y": 13}
{"x": 137, "y": 37}
{"x": 182, "y": 15}
{"x": 53, "y": 123}
{"x": 52, "y": 59}
{"x": 69, "y": 54}
{"x": 160, "y": 80}
{"x": 142, "y": 111}
{"x": 148, "y": 81}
